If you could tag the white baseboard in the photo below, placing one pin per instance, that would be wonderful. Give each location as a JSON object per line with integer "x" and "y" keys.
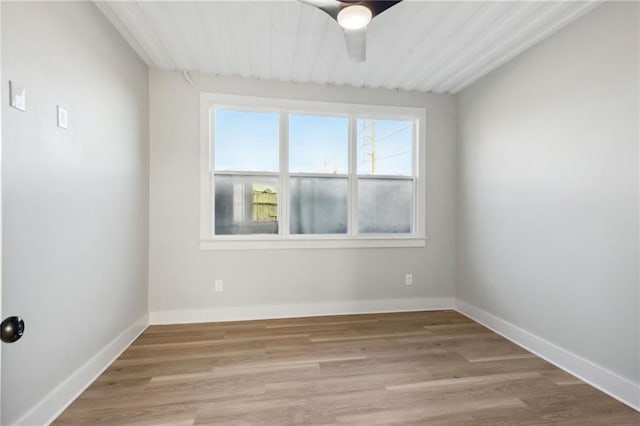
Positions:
{"x": 61, "y": 397}
{"x": 610, "y": 383}
{"x": 52, "y": 405}
{"x": 301, "y": 310}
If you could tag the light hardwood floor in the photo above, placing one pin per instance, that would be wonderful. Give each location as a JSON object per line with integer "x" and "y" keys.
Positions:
{"x": 417, "y": 368}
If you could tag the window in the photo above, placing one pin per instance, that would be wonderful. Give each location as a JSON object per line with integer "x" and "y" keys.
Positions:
{"x": 283, "y": 173}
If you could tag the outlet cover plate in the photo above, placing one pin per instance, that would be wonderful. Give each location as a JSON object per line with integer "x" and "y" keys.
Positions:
{"x": 63, "y": 118}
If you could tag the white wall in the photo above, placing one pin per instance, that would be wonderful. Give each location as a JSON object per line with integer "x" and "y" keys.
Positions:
{"x": 75, "y": 201}
{"x": 548, "y": 191}
{"x": 181, "y": 276}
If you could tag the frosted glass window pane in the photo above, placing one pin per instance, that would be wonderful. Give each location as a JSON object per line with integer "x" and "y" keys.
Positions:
{"x": 246, "y": 205}
{"x": 318, "y": 144}
{"x": 318, "y": 205}
{"x": 385, "y": 147}
{"x": 246, "y": 141}
{"x": 385, "y": 205}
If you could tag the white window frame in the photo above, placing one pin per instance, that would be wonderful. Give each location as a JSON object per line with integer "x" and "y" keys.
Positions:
{"x": 209, "y": 241}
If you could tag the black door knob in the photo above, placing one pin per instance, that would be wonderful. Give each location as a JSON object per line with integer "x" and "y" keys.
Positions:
{"x": 11, "y": 329}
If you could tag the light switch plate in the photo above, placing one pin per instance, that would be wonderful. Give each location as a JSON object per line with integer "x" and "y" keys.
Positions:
{"x": 18, "y": 96}
{"x": 63, "y": 118}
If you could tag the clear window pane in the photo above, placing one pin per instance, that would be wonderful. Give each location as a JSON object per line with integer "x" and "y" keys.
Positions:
{"x": 318, "y": 205}
{"x": 318, "y": 144}
{"x": 385, "y": 205}
{"x": 246, "y": 205}
{"x": 385, "y": 147}
{"x": 246, "y": 141}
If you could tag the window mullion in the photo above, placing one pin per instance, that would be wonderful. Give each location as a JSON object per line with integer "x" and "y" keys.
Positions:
{"x": 415, "y": 225}
{"x": 207, "y": 198}
{"x": 353, "y": 179}
{"x": 285, "y": 198}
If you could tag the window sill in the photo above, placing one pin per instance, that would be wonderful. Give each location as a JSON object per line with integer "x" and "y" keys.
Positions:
{"x": 311, "y": 243}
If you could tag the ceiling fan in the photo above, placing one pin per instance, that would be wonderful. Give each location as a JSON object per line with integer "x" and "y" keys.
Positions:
{"x": 353, "y": 16}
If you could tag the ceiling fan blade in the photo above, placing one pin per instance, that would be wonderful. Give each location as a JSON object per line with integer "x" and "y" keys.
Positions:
{"x": 356, "y": 44}
{"x": 356, "y": 40}
{"x": 330, "y": 7}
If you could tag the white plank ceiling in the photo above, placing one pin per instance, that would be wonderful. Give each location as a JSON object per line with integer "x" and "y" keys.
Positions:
{"x": 415, "y": 45}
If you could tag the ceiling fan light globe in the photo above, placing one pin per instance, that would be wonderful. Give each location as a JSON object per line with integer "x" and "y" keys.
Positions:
{"x": 354, "y": 17}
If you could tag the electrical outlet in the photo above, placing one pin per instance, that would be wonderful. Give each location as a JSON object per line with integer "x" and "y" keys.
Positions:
{"x": 218, "y": 286}
{"x": 408, "y": 279}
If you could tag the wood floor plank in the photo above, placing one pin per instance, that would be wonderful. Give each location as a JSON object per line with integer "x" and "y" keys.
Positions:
{"x": 413, "y": 368}
{"x": 463, "y": 381}
{"x": 436, "y": 409}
